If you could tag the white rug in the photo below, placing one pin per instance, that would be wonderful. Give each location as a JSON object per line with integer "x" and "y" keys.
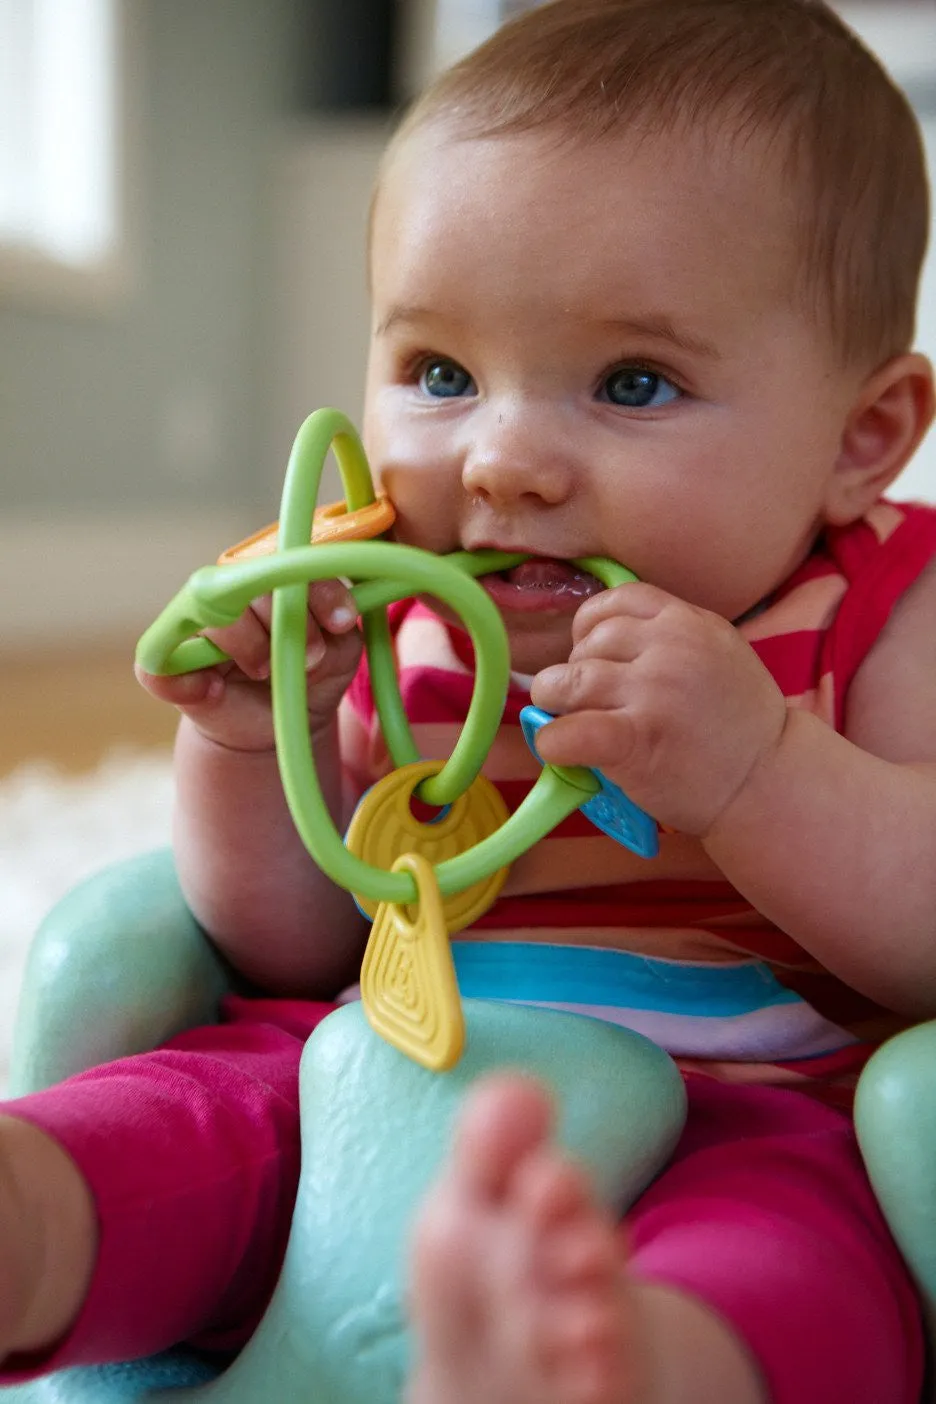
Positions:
{"x": 57, "y": 829}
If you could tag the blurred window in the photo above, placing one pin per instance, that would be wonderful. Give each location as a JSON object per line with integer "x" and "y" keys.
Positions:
{"x": 461, "y": 24}
{"x": 60, "y": 212}
{"x": 903, "y": 34}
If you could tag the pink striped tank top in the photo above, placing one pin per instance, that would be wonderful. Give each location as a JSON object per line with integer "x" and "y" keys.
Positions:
{"x": 666, "y": 946}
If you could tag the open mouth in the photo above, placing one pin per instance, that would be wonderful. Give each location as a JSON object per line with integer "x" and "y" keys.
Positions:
{"x": 541, "y": 584}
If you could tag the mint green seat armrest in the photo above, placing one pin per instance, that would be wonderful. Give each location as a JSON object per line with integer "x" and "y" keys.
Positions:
{"x": 895, "y": 1119}
{"x": 117, "y": 967}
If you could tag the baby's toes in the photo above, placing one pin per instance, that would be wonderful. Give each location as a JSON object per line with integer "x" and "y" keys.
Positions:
{"x": 444, "y": 1271}
{"x": 583, "y": 1255}
{"x": 582, "y": 1320}
{"x": 574, "y": 1238}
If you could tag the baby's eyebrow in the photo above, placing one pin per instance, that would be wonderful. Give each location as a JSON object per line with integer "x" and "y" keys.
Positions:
{"x": 404, "y": 315}
{"x": 656, "y": 326}
{"x": 661, "y": 328}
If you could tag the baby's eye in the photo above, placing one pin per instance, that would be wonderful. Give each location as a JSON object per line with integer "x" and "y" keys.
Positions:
{"x": 635, "y": 387}
{"x": 445, "y": 380}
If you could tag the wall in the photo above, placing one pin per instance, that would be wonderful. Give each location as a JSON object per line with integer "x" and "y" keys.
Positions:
{"x": 323, "y": 175}
{"x": 131, "y": 440}
{"x": 919, "y": 478}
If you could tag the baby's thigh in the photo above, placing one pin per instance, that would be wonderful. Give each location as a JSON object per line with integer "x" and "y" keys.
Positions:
{"x": 767, "y": 1216}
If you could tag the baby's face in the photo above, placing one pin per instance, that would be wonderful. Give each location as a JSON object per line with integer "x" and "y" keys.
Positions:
{"x": 597, "y": 350}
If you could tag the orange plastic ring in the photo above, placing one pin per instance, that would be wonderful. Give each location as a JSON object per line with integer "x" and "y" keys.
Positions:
{"x": 333, "y": 522}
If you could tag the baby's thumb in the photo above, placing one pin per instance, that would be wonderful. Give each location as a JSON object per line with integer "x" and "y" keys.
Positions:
{"x": 190, "y": 692}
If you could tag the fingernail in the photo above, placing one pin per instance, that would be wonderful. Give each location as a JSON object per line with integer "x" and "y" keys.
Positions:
{"x": 341, "y": 617}
{"x": 314, "y": 654}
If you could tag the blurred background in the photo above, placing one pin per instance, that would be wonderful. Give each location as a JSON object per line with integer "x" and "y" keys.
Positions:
{"x": 183, "y": 188}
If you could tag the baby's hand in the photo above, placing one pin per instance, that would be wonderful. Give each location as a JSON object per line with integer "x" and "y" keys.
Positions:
{"x": 231, "y": 702}
{"x": 666, "y": 699}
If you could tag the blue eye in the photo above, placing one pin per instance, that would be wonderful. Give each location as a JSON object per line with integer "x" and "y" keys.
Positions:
{"x": 635, "y": 387}
{"x": 445, "y": 380}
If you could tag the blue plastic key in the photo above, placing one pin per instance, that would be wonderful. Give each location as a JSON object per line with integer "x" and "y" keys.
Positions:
{"x": 610, "y": 810}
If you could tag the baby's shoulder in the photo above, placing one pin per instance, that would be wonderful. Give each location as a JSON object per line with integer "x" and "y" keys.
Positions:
{"x": 890, "y": 708}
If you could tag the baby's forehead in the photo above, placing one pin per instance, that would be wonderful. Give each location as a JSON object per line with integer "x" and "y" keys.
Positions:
{"x": 711, "y": 153}
{"x": 497, "y": 246}
{"x": 659, "y": 183}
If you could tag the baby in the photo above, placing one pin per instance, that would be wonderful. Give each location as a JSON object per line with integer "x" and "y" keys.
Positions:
{"x": 644, "y": 277}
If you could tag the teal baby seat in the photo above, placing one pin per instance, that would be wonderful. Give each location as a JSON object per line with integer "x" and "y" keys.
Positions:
{"x": 120, "y": 965}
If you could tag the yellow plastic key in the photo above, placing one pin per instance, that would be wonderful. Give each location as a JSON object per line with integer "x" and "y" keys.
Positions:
{"x": 408, "y": 986}
{"x": 330, "y": 523}
{"x": 384, "y": 827}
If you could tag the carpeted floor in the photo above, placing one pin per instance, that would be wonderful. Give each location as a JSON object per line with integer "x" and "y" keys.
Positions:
{"x": 56, "y": 829}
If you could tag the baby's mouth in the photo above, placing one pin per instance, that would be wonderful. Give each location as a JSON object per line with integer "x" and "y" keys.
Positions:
{"x": 541, "y": 584}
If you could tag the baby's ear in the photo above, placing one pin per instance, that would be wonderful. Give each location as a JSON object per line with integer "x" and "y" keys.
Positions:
{"x": 891, "y": 413}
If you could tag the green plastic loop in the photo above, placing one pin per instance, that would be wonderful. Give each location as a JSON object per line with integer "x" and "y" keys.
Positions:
{"x": 382, "y": 572}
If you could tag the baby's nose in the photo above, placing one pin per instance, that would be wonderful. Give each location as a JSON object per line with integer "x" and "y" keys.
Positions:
{"x": 517, "y": 454}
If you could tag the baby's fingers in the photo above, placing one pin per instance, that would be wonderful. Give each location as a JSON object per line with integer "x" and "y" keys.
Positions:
{"x": 331, "y": 605}
{"x": 580, "y": 685}
{"x": 185, "y": 691}
{"x": 247, "y": 642}
{"x": 331, "y": 611}
{"x": 597, "y": 738}
{"x": 636, "y": 602}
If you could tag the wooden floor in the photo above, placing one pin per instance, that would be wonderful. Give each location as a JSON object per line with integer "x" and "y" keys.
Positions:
{"x": 72, "y": 708}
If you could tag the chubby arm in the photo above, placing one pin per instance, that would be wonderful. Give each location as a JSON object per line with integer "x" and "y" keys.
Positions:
{"x": 243, "y": 868}
{"x": 831, "y": 837}
{"x": 850, "y": 872}
{"x": 246, "y": 874}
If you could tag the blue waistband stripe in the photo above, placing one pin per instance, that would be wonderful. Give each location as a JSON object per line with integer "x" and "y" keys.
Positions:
{"x": 581, "y": 975}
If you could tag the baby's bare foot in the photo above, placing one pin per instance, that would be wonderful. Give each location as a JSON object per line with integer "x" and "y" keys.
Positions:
{"x": 518, "y": 1293}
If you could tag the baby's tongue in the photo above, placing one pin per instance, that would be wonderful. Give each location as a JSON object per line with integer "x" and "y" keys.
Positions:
{"x": 552, "y": 576}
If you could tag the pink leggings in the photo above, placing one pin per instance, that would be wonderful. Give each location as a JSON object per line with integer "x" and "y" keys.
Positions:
{"x": 192, "y": 1153}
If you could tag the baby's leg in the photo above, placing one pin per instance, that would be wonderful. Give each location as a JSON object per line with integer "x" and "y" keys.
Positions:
{"x": 47, "y": 1238}
{"x": 190, "y": 1157}
{"x": 520, "y": 1295}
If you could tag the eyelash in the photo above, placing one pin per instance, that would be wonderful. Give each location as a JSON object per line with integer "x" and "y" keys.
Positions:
{"x": 413, "y": 366}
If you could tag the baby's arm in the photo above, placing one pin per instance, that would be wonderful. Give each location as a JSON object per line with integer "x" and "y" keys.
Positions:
{"x": 834, "y": 837}
{"x": 831, "y": 837}
{"x": 243, "y": 868}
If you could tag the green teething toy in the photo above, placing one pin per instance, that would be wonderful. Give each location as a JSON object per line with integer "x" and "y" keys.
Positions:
{"x": 383, "y": 572}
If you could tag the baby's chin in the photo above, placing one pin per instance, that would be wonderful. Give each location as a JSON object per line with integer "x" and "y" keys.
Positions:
{"x": 530, "y": 656}
{"x": 533, "y": 645}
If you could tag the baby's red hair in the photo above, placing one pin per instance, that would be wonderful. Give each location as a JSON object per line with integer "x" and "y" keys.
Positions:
{"x": 788, "y": 73}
